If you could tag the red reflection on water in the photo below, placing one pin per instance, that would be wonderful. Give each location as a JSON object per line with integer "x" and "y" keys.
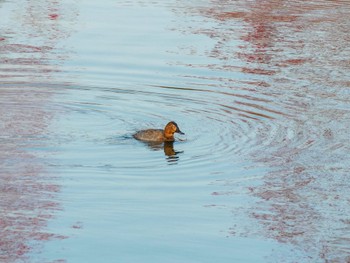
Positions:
{"x": 53, "y": 16}
{"x": 304, "y": 199}
{"x": 28, "y": 190}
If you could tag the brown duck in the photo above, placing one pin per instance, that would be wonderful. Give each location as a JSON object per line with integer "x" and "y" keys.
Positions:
{"x": 159, "y": 135}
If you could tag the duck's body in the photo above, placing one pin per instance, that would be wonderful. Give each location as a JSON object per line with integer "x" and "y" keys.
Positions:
{"x": 159, "y": 135}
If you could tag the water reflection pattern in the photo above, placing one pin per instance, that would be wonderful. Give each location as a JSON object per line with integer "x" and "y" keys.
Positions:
{"x": 294, "y": 54}
{"x": 261, "y": 89}
{"x": 27, "y": 59}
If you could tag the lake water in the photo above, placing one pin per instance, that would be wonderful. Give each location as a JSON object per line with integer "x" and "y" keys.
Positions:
{"x": 260, "y": 88}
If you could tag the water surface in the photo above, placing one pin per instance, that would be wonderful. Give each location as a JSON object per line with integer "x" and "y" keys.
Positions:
{"x": 261, "y": 90}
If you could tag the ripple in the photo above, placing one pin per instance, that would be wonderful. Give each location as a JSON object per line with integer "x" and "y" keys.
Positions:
{"x": 261, "y": 93}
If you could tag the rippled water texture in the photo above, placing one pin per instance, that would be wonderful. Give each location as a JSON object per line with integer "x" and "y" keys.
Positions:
{"x": 261, "y": 89}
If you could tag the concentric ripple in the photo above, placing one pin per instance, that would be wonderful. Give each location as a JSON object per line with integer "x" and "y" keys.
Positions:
{"x": 261, "y": 90}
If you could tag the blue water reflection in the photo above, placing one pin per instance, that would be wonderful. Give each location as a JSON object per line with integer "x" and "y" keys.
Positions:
{"x": 260, "y": 89}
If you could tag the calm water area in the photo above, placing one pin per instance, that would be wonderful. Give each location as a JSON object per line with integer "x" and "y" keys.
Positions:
{"x": 261, "y": 90}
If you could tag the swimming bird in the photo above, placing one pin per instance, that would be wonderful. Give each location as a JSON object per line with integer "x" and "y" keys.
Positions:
{"x": 159, "y": 135}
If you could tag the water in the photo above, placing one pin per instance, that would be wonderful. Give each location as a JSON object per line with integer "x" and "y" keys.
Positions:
{"x": 261, "y": 90}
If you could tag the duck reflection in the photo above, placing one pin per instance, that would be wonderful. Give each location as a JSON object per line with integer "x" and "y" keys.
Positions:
{"x": 167, "y": 147}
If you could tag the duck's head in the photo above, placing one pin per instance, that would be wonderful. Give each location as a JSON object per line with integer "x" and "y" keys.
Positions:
{"x": 171, "y": 128}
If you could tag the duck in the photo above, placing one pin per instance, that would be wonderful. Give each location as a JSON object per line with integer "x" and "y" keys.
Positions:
{"x": 159, "y": 135}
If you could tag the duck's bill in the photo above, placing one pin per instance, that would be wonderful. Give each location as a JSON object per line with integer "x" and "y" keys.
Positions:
{"x": 178, "y": 131}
